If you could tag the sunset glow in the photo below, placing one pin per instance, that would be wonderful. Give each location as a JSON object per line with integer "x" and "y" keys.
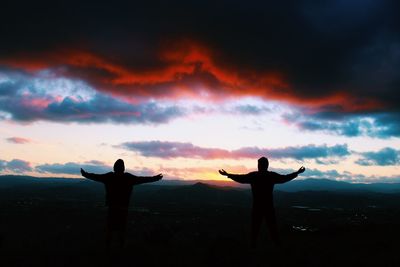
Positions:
{"x": 188, "y": 104}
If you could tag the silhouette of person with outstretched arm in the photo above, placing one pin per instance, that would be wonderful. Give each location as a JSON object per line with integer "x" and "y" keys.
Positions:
{"x": 118, "y": 187}
{"x": 262, "y": 185}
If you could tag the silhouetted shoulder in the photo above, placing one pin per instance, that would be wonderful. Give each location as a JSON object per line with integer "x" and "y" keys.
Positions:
{"x": 129, "y": 175}
{"x": 131, "y": 178}
{"x": 108, "y": 175}
{"x": 252, "y": 176}
{"x": 273, "y": 174}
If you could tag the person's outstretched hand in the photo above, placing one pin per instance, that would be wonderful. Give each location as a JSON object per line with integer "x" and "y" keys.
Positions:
{"x": 301, "y": 170}
{"x": 223, "y": 172}
{"x": 159, "y": 176}
{"x": 83, "y": 172}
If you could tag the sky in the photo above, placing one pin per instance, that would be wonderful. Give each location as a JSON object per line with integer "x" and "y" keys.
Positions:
{"x": 185, "y": 88}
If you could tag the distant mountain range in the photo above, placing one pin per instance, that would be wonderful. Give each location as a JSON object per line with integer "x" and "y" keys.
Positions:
{"x": 331, "y": 185}
{"x": 7, "y": 181}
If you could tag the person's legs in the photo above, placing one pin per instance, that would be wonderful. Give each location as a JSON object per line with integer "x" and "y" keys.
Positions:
{"x": 256, "y": 221}
{"x": 121, "y": 237}
{"x": 108, "y": 237}
{"x": 119, "y": 224}
{"x": 110, "y": 227}
{"x": 272, "y": 226}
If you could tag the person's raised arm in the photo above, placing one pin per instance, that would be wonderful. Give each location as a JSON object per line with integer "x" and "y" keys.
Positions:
{"x": 280, "y": 179}
{"x": 145, "y": 179}
{"x": 240, "y": 178}
{"x": 94, "y": 176}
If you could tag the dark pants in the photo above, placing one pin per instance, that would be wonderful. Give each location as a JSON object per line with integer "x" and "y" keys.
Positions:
{"x": 116, "y": 223}
{"x": 117, "y": 218}
{"x": 258, "y": 215}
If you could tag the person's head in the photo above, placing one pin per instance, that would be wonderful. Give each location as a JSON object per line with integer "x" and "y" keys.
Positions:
{"x": 119, "y": 166}
{"x": 263, "y": 164}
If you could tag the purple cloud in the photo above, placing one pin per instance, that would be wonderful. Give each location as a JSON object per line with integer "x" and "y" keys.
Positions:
{"x": 18, "y": 140}
{"x": 30, "y": 98}
{"x": 177, "y": 149}
{"x": 73, "y": 167}
{"x": 15, "y": 165}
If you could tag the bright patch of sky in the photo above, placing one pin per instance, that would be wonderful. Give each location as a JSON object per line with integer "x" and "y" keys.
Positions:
{"x": 229, "y": 125}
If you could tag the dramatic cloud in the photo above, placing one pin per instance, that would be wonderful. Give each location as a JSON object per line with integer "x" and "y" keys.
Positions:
{"x": 333, "y": 64}
{"x": 18, "y": 140}
{"x": 387, "y": 125}
{"x": 74, "y": 168}
{"x": 187, "y": 71}
{"x": 15, "y": 165}
{"x": 25, "y": 98}
{"x": 377, "y": 125}
{"x": 384, "y": 157}
{"x": 299, "y": 152}
{"x": 294, "y": 51}
{"x": 177, "y": 149}
{"x": 174, "y": 149}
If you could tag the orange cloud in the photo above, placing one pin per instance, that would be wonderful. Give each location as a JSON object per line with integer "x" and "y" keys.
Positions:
{"x": 185, "y": 70}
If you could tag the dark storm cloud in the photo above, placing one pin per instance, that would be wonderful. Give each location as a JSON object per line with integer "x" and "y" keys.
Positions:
{"x": 15, "y": 165}
{"x": 164, "y": 149}
{"x": 384, "y": 157}
{"x": 318, "y": 47}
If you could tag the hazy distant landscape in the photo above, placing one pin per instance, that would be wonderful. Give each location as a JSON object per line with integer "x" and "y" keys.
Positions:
{"x": 60, "y": 222}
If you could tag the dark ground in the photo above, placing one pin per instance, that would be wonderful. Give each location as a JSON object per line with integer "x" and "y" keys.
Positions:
{"x": 63, "y": 225}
